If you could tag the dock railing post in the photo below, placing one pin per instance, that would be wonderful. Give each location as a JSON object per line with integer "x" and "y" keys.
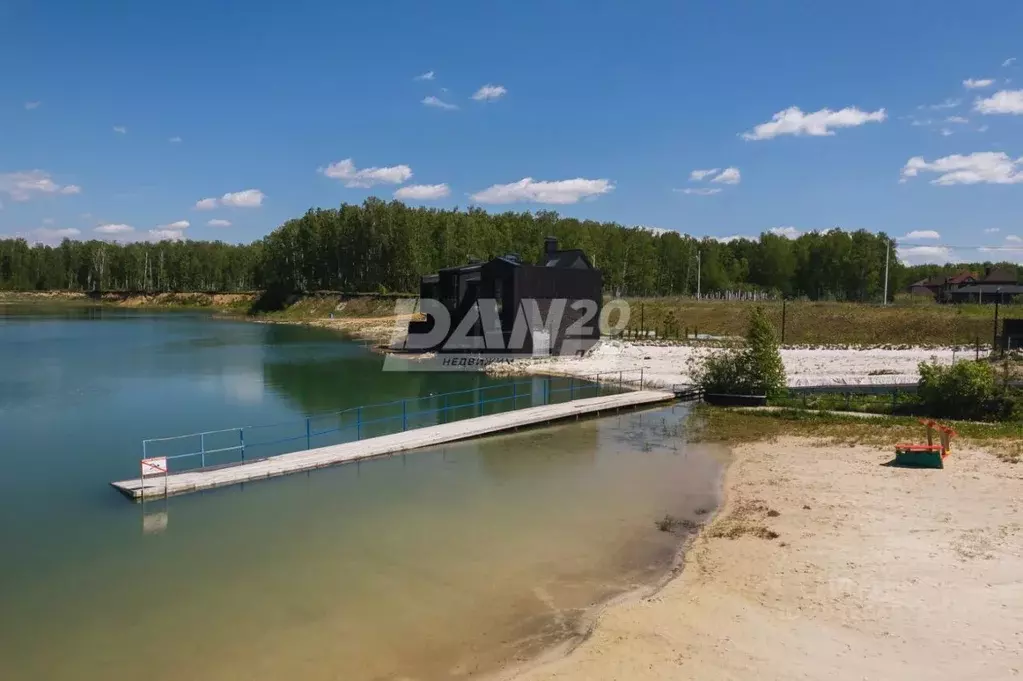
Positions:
{"x": 202, "y": 449}
{"x": 241, "y": 438}
{"x": 404, "y": 416}
{"x": 619, "y": 381}
{"x": 514, "y": 393}
{"x": 641, "y": 379}
{"x": 358, "y": 423}
{"x": 571, "y": 388}
{"x": 308, "y": 434}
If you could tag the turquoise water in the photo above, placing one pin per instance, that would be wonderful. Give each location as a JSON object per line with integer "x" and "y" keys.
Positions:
{"x": 429, "y": 566}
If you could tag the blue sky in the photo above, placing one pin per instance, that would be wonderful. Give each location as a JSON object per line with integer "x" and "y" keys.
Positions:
{"x": 129, "y": 114}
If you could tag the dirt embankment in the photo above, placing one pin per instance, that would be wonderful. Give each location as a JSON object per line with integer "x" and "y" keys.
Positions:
{"x": 825, "y": 564}
{"x": 223, "y": 301}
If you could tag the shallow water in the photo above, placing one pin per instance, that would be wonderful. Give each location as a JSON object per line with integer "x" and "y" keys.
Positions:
{"x": 431, "y": 565}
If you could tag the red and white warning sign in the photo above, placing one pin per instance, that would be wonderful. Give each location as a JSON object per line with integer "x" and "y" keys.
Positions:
{"x": 154, "y": 466}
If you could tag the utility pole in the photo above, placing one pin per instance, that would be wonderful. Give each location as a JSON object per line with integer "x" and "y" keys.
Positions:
{"x": 994, "y": 338}
{"x": 887, "y": 259}
{"x": 698, "y": 259}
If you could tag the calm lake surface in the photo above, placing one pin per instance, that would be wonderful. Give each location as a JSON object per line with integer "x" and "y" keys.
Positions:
{"x": 434, "y": 565}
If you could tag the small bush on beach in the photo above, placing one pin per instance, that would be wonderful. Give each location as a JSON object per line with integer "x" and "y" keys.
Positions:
{"x": 754, "y": 369}
{"x": 966, "y": 390}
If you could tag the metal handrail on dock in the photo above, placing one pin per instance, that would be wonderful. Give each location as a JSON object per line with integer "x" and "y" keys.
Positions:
{"x": 367, "y": 421}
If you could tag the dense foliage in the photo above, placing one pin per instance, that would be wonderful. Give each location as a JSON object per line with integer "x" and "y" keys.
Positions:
{"x": 140, "y": 266}
{"x": 754, "y": 369}
{"x": 966, "y": 390}
{"x": 387, "y": 246}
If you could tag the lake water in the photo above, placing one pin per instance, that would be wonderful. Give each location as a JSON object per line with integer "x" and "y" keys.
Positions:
{"x": 434, "y": 565}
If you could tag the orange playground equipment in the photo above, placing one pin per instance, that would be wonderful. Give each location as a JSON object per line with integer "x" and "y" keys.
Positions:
{"x": 930, "y": 455}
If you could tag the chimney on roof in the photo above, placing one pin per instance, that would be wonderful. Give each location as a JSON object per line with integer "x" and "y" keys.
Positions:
{"x": 550, "y": 247}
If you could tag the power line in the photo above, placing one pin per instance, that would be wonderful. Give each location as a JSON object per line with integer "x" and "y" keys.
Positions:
{"x": 960, "y": 247}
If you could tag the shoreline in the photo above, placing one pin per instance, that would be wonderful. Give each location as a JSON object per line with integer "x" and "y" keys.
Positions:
{"x": 820, "y": 562}
{"x": 563, "y": 651}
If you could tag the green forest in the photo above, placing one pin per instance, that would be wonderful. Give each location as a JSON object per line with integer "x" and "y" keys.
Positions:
{"x": 385, "y": 247}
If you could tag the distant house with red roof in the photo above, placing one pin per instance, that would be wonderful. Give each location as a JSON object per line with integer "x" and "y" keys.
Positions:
{"x": 940, "y": 286}
{"x": 998, "y": 285}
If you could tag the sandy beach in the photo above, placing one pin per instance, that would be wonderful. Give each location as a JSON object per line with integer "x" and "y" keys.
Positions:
{"x": 823, "y": 563}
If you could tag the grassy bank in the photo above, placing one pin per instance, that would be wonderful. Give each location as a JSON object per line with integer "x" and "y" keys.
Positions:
{"x": 828, "y": 323}
{"x": 734, "y": 427}
{"x": 306, "y": 307}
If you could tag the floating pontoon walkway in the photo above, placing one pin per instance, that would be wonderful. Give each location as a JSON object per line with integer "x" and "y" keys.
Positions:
{"x": 156, "y": 486}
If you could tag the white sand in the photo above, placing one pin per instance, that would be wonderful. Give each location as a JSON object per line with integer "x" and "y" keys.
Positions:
{"x": 876, "y": 573}
{"x": 667, "y": 364}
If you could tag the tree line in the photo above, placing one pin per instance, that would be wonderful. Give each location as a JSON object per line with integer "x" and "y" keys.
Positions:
{"x": 386, "y": 246}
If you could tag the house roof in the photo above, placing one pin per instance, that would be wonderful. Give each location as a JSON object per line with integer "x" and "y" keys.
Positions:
{"x": 1001, "y": 275}
{"x": 961, "y": 277}
{"x": 568, "y": 258}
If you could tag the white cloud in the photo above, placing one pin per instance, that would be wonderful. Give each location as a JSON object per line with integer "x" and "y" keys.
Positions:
{"x": 957, "y": 119}
{"x": 727, "y": 239}
{"x": 438, "y": 103}
{"x": 793, "y": 121}
{"x": 206, "y": 204}
{"x": 922, "y": 234}
{"x": 247, "y": 198}
{"x": 945, "y": 132}
{"x": 429, "y": 75}
{"x": 47, "y": 221}
{"x": 787, "y": 232}
{"x": 115, "y": 229}
{"x": 423, "y": 192}
{"x": 557, "y": 192}
{"x": 1009, "y": 61}
{"x": 489, "y": 92}
{"x": 48, "y": 235}
{"x": 1002, "y": 102}
{"x": 27, "y": 184}
{"x": 29, "y": 106}
{"x": 918, "y": 255}
{"x": 947, "y": 104}
{"x": 120, "y": 129}
{"x": 1012, "y": 238}
{"x": 166, "y": 235}
{"x": 217, "y": 222}
{"x": 179, "y": 225}
{"x": 698, "y": 175}
{"x": 699, "y": 191}
{"x": 992, "y": 230}
{"x": 987, "y": 167}
{"x": 175, "y": 140}
{"x": 656, "y": 231}
{"x": 728, "y": 176}
{"x": 982, "y": 128}
{"x": 974, "y": 84}
{"x": 367, "y": 177}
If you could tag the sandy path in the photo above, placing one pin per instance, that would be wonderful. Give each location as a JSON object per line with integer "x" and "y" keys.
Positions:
{"x": 668, "y": 364}
{"x": 876, "y": 573}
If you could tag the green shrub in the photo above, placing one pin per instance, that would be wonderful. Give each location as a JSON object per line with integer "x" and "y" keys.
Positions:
{"x": 754, "y": 369}
{"x": 964, "y": 390}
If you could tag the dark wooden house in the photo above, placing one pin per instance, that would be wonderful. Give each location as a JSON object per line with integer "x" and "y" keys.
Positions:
{"x": 518, "y": 288}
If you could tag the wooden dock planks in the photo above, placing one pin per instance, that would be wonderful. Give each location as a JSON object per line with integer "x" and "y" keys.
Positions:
{"x": 418, "y": 438}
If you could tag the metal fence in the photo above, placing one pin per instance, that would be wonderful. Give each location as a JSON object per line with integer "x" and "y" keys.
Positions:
{"x": 230, "y": 446}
